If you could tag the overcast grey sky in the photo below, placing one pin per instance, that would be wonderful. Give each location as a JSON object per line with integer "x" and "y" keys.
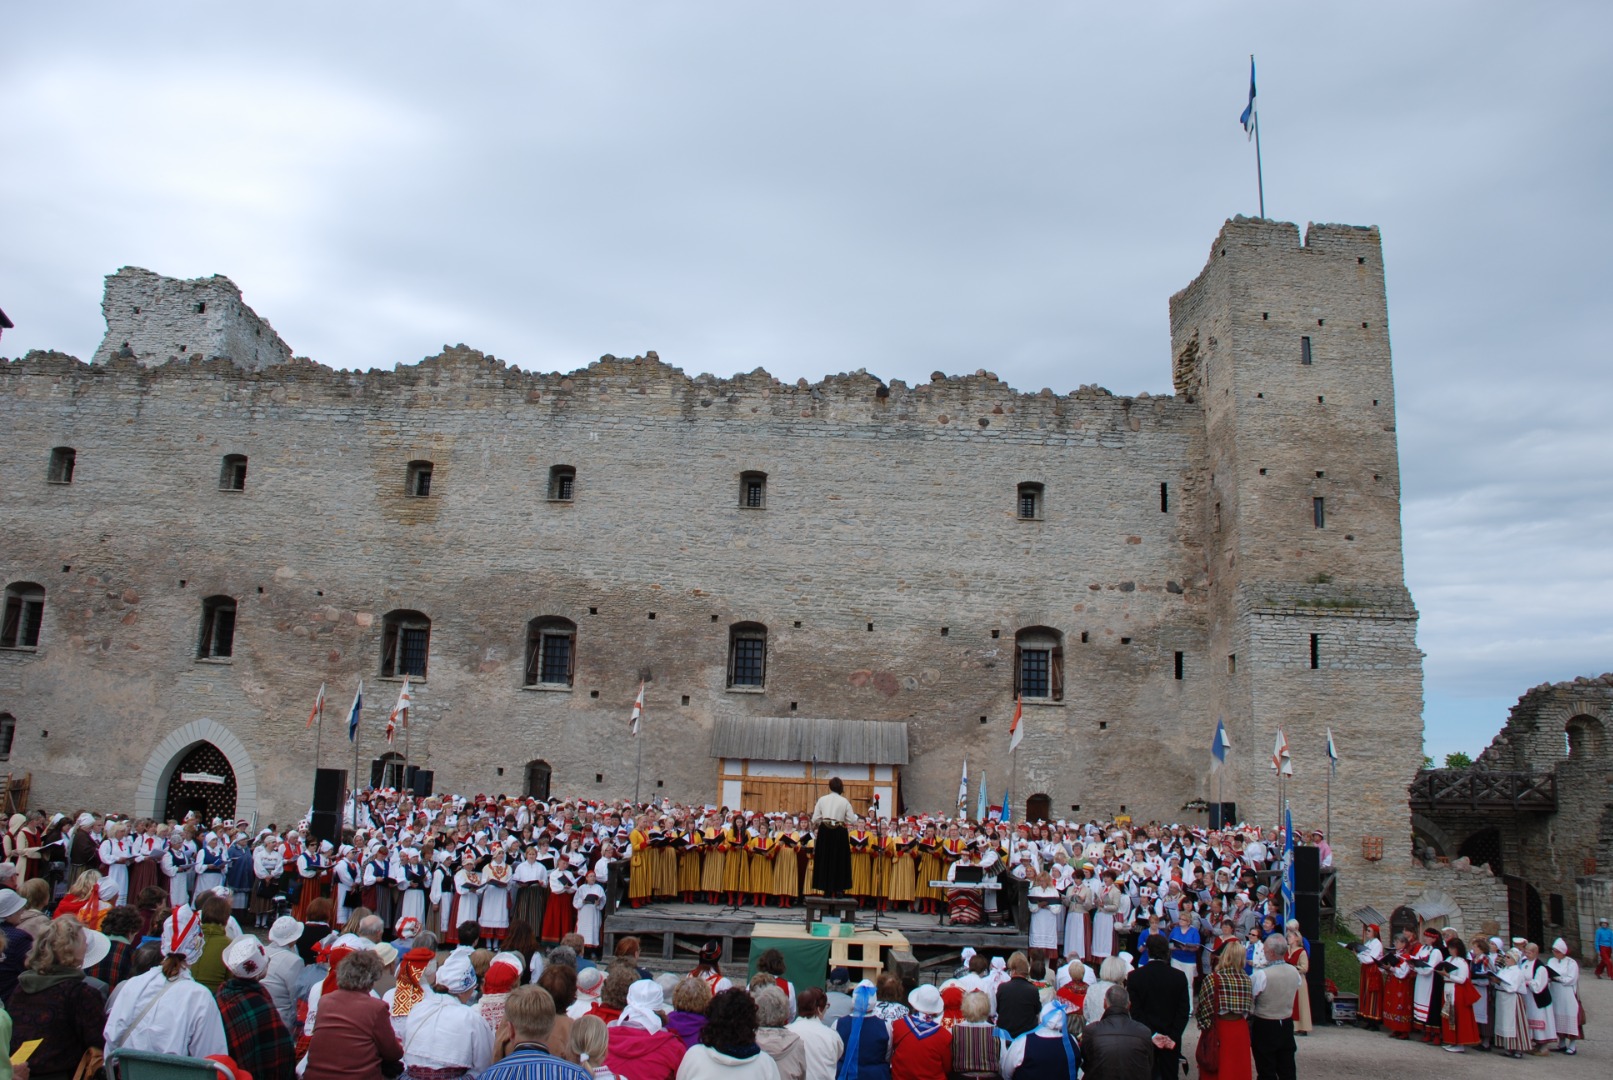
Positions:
{"x": 816, "y": 188}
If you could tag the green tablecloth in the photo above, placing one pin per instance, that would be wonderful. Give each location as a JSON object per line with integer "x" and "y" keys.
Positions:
{"x": 806, "y": 963}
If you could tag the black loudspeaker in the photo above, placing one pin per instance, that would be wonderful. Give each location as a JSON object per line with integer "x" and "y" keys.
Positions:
{"x": 421, "y": 782}
{"x": 1223, "y": 814}
{"x": 330, "y": 789}
{"x": 1308, "y": 910}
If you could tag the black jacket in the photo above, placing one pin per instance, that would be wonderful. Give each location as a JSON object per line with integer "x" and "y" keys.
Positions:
{"x": 1117, "y": 1048}
{"x": 1019, "y": 1006}
{"x": 1159, "y": 998}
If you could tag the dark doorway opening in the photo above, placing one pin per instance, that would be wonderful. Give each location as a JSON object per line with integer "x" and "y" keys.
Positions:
{"x": 1038, "y": 808}
{"x": 537, "y": 779}
{"x": 202, "y": 782}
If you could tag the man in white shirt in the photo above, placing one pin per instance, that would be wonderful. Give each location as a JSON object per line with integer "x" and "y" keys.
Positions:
{"x": 444, "y": 1031}
{"x": 831, "y": 864}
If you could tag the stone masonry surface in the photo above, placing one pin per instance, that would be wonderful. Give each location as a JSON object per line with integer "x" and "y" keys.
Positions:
{"x": 890, "y": 516}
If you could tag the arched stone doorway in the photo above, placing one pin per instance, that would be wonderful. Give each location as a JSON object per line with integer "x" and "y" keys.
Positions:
{"x": 202, "y": 783}
{"x": 151, "y": 792}
{"x": 1039, "y": 808}
{"x": 386, "y": 771}
{"x": 537, "y": 779}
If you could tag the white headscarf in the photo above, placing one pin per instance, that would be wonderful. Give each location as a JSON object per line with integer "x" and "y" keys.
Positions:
{"x": 643, "y": 999}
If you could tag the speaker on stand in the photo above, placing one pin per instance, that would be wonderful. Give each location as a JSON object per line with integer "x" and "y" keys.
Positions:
{"x": 330, "y": 790}
{"x": 1223, "y": 815}
{"x": 1308, "y": 910}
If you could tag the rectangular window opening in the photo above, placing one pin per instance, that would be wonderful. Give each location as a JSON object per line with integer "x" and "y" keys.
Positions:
{"x": 1164, "y": 498}
{"x": 1179, "y": 666}
{"x": 1316, "y": 651}
{"x": 1319, "y": 512}
{"x": 750, "y": 657}
{"x": 23, "y": 617}
{"x": 1232, "y": 663}
{"x": 1305, "y": 349}
{"x": 63, "y": 460}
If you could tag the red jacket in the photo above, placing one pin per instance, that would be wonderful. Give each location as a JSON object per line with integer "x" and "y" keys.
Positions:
{"x": 638, "y": 1055}
{"x": 353, "y": 1036}
{"x": 920, "y": 1057}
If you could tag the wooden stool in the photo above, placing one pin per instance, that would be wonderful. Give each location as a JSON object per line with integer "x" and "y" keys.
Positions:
{"x": 817, "y": 907}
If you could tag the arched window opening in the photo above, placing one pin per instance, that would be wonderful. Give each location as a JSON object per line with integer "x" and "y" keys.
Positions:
{"x": 1039, "y": 664}
{"x": 24, "y": 614}
{"x": 753, "y": 490}
{"x": 562, "y": 483}
{"x": 551, "y": 652}
{"x": 217, "y": 640}
{"x": 232, "y": 477}
{"x": 386, "y": 771}
{"x": 747, "y": 656}
{"x": 405, "y": 640}
{"x": 417, "y": 480}
{"x": 1583, "y": 738}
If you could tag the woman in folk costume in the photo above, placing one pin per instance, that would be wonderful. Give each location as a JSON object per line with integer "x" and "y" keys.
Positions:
{"x": 689, "y": 850}
{"x": 713, "y": 859}
{"x": 382, "y": 875}
{"x": 735, "y": 858}
{"x": 1078, "y": 904}
{"x": 640, "y": 866}
{"x": 468, "y": 887}
{"x": 1370, "y": 982}
{"x": 1106, "y": 910}
{"x": 440, "y": 892}
{"x": 921, "y": 1047}
{"x": 861, "y": 839}
{"x": 21, "y": 844}
{"x": 1225, "y": 1000}
{"x": 497, "y": 887}
{"x": 1537, "y": 999}
{"x": 559, "y": 916}
{"x": 1459, "y": 1027}
{"x": 787, "y": 868}
{"x": 531, "y": 880}
{"x": 145, "y": 857}
{"x": 90, "y": 898}
{"x": 589, "y": 904}
{"x": 1398, "y": 988}
{"x": 417, "y": 969}
{"x": 901, "y": 871}
{"x": 1426, "y": 995}
{"x": 116, "y": 853}
{"x": 1564, "y": 996}
{"x": 805, "y": 852}
{"x": 931, "y": 867}
{"x": 762, "y": 848}
{"x": 1299, "y": 957}
{"x": 267, "y": 868}
{"x": 177, "y": 862}
{"x": 189, "y": 1023}
{"x": 313, "y": 868}
{"x": 1511, "y": 1020}
{"x": 1045, "y": 911}
{"x": 1481, "y": 966}
{"x": 211, "y": 863}
{"x": 412, "y": 904}
{"x": 665, "y": 841}
{"x": 865, "y": 1037}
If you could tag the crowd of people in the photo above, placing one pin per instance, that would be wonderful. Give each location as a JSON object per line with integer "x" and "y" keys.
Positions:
{"x": 447, "y": 937}
{"x": 1512, "y": 997}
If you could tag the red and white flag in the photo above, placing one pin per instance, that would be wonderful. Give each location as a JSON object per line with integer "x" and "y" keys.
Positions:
{"x": 1281, "y": 761}
{"x": 399, "y": 711}
{"x": 319, "y": 707}
{"x": 1016, "y": 730}
{"x": 638, "y": 708}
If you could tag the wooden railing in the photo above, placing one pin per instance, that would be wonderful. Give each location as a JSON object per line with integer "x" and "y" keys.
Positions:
{"x": 1481, "y": 791}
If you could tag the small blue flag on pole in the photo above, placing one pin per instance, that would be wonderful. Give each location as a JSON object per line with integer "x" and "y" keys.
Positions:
{"x": 1288, "y": 863}
{"x": 1248, "y": 117}
{"x": 1219, "y": 748}
{"x": 1007, "y": 814}
{"x": 352, "y": 714}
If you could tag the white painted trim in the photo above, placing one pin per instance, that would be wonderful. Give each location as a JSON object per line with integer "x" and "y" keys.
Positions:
{"x": 160, "y": 766}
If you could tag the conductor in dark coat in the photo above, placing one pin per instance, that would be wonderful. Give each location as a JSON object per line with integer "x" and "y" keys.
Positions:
{"x": 1159, "y": 999}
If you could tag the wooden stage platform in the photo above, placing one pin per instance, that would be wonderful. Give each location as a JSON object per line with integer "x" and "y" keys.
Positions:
{"x": 673, "y": 933}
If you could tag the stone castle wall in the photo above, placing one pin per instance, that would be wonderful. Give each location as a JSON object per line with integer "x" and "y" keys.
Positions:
{"x": 888, "y": 564}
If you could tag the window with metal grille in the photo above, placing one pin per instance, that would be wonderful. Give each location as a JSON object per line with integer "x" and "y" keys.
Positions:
{"x": 217, "y": 640}
{"x": 1030, "y": 502}
{"x": 753, "y": 490}
{"x": 562, "y": 483}
{"x": 24, "y": 614}
{"x": 63, "y": 459}
{"x": 233, "y": 475}
{"x": 418, "y": 484}
{"x": 551, "y": 652}
{"x": 1039, "y": 664}
{"x": 8, "y": 733}
{"x": 405, "y": 641}
{"x": 747, "y": 655}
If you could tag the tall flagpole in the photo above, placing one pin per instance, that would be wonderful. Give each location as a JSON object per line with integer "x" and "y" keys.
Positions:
{"x": 353, "y": 786}
{"x": 319, "y": 733}
{"x": 1260, "y": 177}
{"x": 640, "y": 775}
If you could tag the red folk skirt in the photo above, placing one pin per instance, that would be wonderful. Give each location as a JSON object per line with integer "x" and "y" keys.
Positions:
{"x": 1460, "y": 1028}
{"x": 1371, "y": 1007}
{"x": 1397, "y": 1005}
{"x": 1236, "y": 1061}
{"x": 559, "y": 917}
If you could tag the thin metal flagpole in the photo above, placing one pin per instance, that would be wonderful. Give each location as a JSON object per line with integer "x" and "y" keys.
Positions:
{"x": 640, "y": 775}
{"x": 319, "y": 732}
{"x": 353, "y": 786}
{"x": 1260, "y": 176}
{"x": 1331, "y": 766}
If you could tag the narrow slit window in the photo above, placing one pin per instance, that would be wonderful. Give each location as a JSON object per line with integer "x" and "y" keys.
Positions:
{"x": 418, "y": 480}
{"x": 1316, "y": 651}
{"x": 63, "y": 459}
{"x": 232, "y": 477}
{"x": 1030, "y": 502}
{"x": 1164, "y": 498}
{"x": 1319, "y": 512}
{"x": 24, "y": 614}
{"x": 1305, "y": 349}
{"x": 562, "y": 483}
{"x": 1179, "y": 666}
{"x": 217, "y": 641}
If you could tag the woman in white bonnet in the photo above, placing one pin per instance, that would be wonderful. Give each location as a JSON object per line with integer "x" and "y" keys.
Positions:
{"x": 187, "y": 1023}
{"x": 1564, "y": 996}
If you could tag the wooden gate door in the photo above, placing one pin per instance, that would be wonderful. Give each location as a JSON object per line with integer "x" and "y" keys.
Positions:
{"x": 767, "y": 795}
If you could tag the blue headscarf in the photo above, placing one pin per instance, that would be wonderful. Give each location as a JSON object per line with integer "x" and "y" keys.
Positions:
{"x": 861, "y": 1003}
